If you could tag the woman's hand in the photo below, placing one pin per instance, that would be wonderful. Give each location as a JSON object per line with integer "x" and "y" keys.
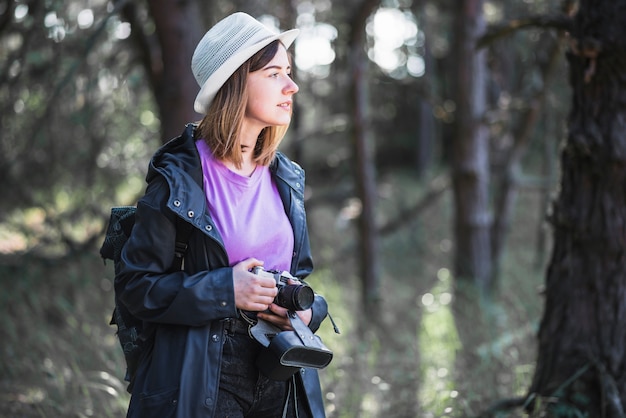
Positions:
{"x": 253, "y": 292}
{"x": 277, "y": 315}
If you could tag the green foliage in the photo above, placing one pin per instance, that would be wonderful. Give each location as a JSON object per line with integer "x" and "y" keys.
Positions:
{"x": 439, "y": 343}
{"x": 59, "y": 356}
{"x": 69, "y": 123}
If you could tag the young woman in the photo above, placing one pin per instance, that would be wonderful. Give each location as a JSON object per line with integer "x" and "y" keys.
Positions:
{"x": 244, "y": 200}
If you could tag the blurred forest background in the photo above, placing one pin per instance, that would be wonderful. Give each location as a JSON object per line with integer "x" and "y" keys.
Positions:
{"x": 430, "y": 132}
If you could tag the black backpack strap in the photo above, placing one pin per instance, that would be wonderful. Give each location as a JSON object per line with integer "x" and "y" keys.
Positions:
{"x": 183, "y": 232}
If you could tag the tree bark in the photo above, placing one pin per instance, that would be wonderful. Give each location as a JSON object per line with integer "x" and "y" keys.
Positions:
{"x": 425, "y": 135}
{"x": 166, "y": 58}
{"x": 470, "y": 166}
{"x": 364, "y": 160}
{"x": 582, "y": 338}
{"x": 178, "y": 30}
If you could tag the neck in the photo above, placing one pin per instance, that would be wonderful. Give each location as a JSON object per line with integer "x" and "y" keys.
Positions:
{"x": 248, "y": 136}
{"x": 247, "y": 166}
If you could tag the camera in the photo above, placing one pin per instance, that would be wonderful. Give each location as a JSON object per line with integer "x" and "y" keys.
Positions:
{"x": 294, "y": 297}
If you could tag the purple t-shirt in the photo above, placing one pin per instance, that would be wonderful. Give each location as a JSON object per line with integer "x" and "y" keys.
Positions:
{"x": 247, "y": 212}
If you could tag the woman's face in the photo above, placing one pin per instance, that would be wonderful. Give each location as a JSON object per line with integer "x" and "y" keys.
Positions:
{"x": 270, "y": 93}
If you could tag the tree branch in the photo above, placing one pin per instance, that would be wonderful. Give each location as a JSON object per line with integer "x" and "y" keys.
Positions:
{"x": 499, "y": 31}
{"x": 437, "y": 187}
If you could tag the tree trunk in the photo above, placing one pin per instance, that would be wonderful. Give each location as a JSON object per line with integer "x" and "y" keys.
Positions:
{"x": 295, "y": 127}
{"x": 582, "y": 339}
{"x": 470, "y": 166}
{"x": 425, "y": 135}
{"x": 166, "y": 58}
{"x": 507, "y": 186}
{"x": 364, "y": 160}
{"x": 178, "y": 30}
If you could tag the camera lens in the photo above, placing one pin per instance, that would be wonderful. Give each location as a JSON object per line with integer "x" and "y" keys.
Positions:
{"x": 295, "y": 297}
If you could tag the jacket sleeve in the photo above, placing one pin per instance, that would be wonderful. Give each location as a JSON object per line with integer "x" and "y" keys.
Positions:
{"x": 304, "y": 267}
{"x": 320, "y": 311}
{"x": 154, "y": 294}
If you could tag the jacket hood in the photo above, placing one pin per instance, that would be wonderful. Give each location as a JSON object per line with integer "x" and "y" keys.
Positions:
{"x": 178, "y": 155}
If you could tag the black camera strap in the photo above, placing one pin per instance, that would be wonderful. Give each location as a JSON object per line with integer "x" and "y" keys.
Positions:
{"x": 303, "y": 331}
{"x": 263, "y": 332}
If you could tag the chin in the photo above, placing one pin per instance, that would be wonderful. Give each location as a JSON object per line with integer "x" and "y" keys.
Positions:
{"x": 281, "y": 122}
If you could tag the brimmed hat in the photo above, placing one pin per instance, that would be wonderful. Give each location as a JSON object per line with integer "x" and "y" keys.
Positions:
{"x": 225, "y": 47}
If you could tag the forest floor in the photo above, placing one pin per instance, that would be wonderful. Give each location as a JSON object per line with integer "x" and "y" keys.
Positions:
{"x": 437, "y": 350}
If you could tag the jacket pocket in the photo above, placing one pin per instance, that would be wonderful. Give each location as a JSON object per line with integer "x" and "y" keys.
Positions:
{"x": 160, "y": 403}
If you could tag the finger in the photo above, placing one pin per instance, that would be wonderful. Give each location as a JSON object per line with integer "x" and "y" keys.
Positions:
{"x": 280, "y": 321}
{"x": 256, "y": 302}
{"x": 254, "y": 307}
{"x": 250, "y": 263}
{"x": 278, "y": 310}
{"x": 263, "y": 287}
{"x": 266, "y": 282}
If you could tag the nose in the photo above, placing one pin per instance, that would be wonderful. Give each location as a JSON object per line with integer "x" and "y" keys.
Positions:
{"x": 291, "y": 87}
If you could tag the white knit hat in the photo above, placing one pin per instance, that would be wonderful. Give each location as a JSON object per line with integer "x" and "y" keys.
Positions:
{"x": 225, "y": 47}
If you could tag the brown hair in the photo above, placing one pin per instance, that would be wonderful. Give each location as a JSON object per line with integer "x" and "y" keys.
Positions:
{"x": 221, "y": 127}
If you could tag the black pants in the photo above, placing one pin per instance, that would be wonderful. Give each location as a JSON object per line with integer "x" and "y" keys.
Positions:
{"x": 245, "y": 392}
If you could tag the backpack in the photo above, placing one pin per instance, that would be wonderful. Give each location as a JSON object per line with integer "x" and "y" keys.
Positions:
{"x": 132, "y": 333}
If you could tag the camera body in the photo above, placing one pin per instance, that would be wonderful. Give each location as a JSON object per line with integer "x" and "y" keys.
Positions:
{"x": 295, "y": 297}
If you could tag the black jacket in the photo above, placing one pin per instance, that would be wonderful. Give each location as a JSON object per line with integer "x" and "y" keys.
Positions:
{"x": 179, "y": 375}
